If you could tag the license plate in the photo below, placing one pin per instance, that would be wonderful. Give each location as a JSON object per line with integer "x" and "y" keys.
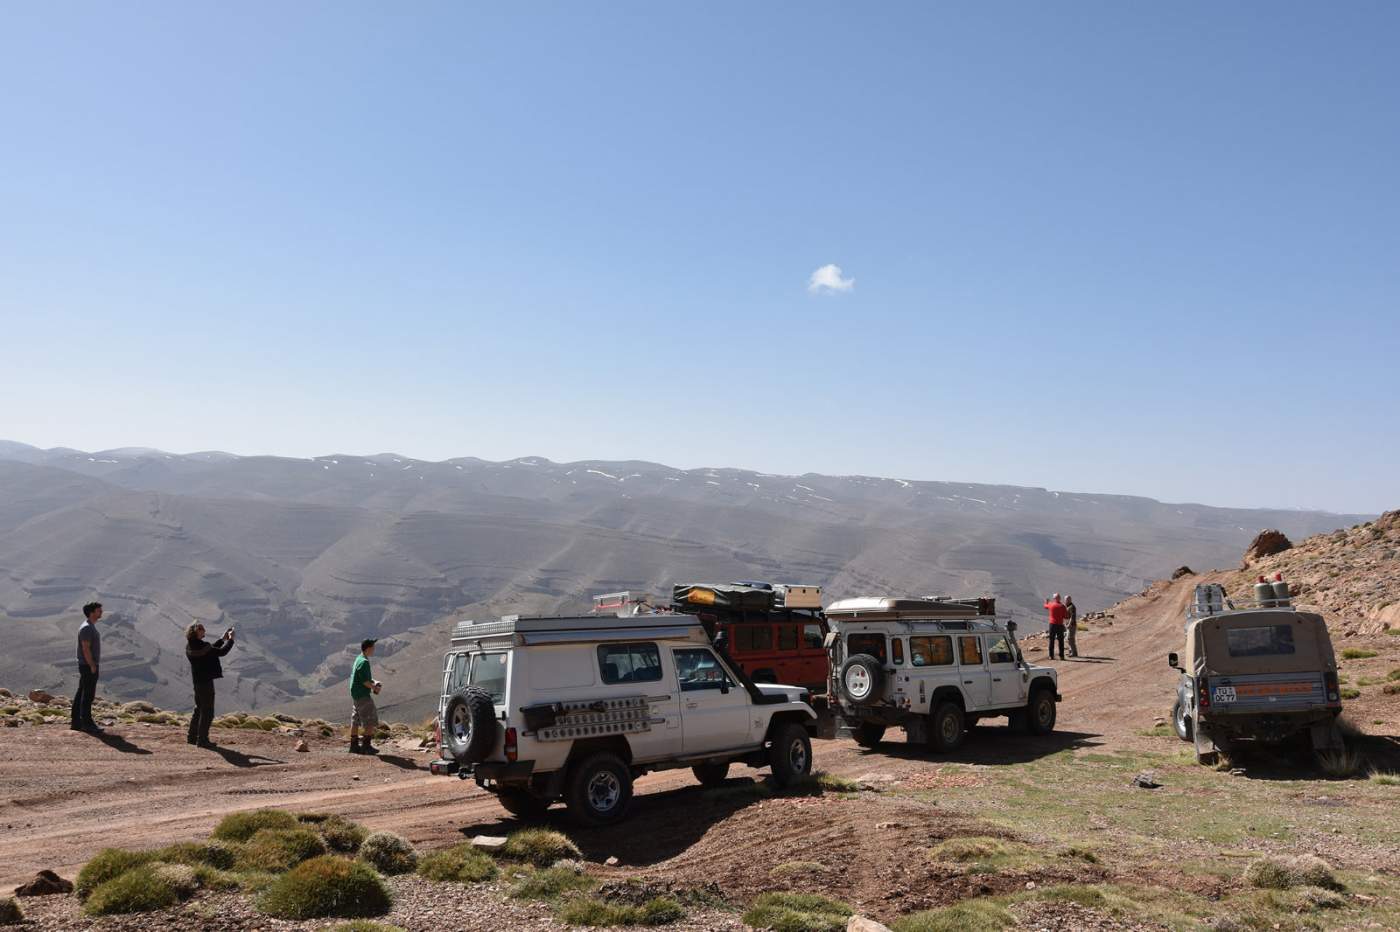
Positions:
{"x": 1224, "y": 694}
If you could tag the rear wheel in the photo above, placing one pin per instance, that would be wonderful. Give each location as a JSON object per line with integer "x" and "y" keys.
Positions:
{"x": 947, "y": 727}
{"x": 1040, "y": 712}
{"x": 711, "y": 774}
{"x": 523, "y": 804}
{"x": 599, "y": 790}
{"x": 868, "y": 734}
{"x": 1181, "y": 721}
{"x": 790, "y": 757}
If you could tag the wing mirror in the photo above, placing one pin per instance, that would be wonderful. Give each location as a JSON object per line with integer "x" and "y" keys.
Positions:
{"x": 724, "y": 687}
{"x": 1173, "y": 661}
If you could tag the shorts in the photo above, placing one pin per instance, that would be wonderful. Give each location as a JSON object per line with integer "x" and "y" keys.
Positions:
{"x": 364, "y": 714}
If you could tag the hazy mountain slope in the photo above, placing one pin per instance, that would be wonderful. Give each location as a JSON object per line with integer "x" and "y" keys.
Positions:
{"x": 308, "y": 556}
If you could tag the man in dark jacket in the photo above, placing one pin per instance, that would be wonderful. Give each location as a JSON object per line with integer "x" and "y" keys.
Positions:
{"x": 204, "y": 670}
{"x": 89, "y": 656}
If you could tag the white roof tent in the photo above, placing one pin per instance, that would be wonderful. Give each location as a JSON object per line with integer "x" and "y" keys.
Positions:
{"x": 523, "y": 630}
{"x": 884, "y": 608}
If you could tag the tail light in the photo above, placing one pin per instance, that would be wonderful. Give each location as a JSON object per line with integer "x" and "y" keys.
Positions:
{"x": 437, "y": 732}
{"x": 512, "y": 746}
{"x": 1203, "y": 693}
{"x": 1333, "y": 690}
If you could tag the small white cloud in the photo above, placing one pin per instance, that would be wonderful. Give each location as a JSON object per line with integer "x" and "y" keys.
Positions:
{"x": 828, "y": 279}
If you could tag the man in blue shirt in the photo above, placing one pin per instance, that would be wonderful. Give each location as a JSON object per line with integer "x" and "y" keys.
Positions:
{"x": 89, "y": 656}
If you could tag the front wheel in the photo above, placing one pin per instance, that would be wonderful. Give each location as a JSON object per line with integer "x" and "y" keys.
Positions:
{"x": 1181, "y": 721}
{"x": 523, "y": 804}
{"x": 1040, "y": 712}
{"x": 947, "y": 726}
{"x": 600, "y": 790}
{"x": 868, "y": 734}
{"x": 711, "y": 774}
{"x": 790, "y": 757}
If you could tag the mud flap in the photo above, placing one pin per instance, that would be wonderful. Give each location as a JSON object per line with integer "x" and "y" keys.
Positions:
{"x": 916, "y": 730}
{"x": 1204, "y": 745}
{"x": 1327, "y": 737}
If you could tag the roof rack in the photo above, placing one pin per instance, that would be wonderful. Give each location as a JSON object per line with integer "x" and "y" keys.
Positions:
{"x": 520, "y": 630}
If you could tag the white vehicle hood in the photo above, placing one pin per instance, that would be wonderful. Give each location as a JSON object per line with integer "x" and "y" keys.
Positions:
{"x": 790, "y": 693}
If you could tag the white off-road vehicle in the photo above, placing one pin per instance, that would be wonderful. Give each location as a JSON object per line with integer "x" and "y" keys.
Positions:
{"x": 575, "y": 708}
{"x": 933, "y": 667}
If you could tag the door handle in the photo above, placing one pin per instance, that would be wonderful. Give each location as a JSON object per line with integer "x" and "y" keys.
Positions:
{"x": 967, "y": 682}
{"x": 996, "y": 679}
{"x": 692, "y": 705}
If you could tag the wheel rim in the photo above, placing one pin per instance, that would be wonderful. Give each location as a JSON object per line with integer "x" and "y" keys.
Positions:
{"x": 950, "y": 728}
{"x": 1180, "y": 719}
{"x": 1045, "y": 712}
{"x": 858, "y": 682}
{"x": 797, "y": 756}
{"x": 461, "y": 724}
{"x": 604, "y": 790}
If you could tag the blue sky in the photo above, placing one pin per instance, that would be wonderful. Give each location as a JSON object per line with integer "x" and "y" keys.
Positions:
{"x": 1138, "y": 248}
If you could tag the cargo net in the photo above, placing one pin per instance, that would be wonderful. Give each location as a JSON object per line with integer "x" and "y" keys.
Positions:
{"x": 597, "y": 718}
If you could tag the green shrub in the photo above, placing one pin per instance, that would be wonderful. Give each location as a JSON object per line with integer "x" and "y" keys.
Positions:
{"x": 1341, "y": 765}
{"x": 1391, "y": 689}
{"x": 10, "y": 913}
{"x": 460, "y": 864}
{"x": 326, "y": 887}
{"x": 389, "y": 853}
{"x": 968, "y": 848}
{"x": 1272, "y": 873}
{"x": 341, "y": 834}
{"x": 194, "y": 853}
{"x": 797, "y": 912}
{"x": 967, "y": 916}
{"x": 136, "y": 891}
{"x": 539, "y": 846}
{"x": 1350, "y": 692}
{"x": 551, "y": 883}
{"x": 212, "y": 878}
{"x": 1383, "y": 778}
{"x": 1358, "y": 653}
{"x": 108, "y": 864}
{"x": 159, "y": 718}
{"x": 280, "y": 849}
{"x": 240, "y": 826}
{"x": 796, "y": 868}
{"x": 180, "y": 877}
{"x": 587, "y": 911}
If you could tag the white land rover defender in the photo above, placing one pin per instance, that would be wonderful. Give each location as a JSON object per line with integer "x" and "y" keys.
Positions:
{"x": 933, "y": 667}
{"x": 575, "y": 708}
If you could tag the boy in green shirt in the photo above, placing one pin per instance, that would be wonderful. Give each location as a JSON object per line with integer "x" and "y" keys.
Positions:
{"x": 363, "y": 688}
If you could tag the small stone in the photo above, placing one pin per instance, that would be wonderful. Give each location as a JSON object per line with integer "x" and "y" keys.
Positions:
{"x": 881, "y": 826}
{"x": 1145, "y": 781}
{"x": 39, "y": 696}
{"x": 45, "y": 883}
{"x": 355, "y": 777}
{"x": 302, "y": 746}
{"x": 612, "y": 861}
{"x": 862, "y": 924}
{"x": 1030, "y": 884}
{"x": 488, "y": 842}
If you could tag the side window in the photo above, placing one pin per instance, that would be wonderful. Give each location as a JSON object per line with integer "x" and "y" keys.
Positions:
{"x": 872, "y": 644}
{"x": 489, "y": 672}
{"x": 697, "y": 668}
{"x": 812, "y": 637}
{"x": 753, "y": 637}
{"x": 931, "y": 651}
{"x": 999, "y": 650}
{"x": 897, "y": 650}
{"x": 629, "y": 663}
{"x": 787, "y": 637}
{"x": 970, "y": 651}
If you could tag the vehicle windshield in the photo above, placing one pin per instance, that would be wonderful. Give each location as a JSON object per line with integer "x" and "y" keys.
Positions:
{"x": 489, "y": 673}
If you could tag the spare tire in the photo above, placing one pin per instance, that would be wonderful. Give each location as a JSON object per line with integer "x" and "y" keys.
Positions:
{"x": 469, "y": 725}
{"x": 862, "y": 677}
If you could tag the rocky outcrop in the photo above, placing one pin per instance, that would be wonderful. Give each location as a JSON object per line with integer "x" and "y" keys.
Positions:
{"x": 1266, "y": 544}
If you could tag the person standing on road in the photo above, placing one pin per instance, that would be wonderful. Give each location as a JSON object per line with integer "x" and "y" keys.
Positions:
{"x": 363, "y": 688}
{"x": 1073, "y": 611}
{"x": 205, "y": 668}
{"x": 1057, "y": 612}
{"x": 89, "y": 656}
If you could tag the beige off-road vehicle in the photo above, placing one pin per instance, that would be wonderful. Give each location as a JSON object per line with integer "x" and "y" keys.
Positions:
{"x": 1260, "y": 671}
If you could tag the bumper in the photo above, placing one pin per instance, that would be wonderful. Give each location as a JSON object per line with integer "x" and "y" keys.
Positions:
{"x": 443, "y": 768}
{"x": 499, "y": 771}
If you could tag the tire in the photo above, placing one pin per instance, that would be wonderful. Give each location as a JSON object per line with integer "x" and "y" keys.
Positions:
{"x": 868, "y": 734}
{"x": 861, "y": 680}
{"x": 947, "y": 727}
{"x": 1181, "y": 722}
{"x": 469, "y": 725}
{"x": 1040, "y": 712}
{"x": 790, "y": 757}
{"x": 523, "y": 804}
{"x": 711, "y": 774}
{"x": 599, "y": 790}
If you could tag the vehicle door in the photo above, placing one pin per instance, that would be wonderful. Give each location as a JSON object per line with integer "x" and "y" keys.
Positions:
{"x": 1007, "y": 687}
{"x": 976, "y": 681}
{"x": 715, "y": 711}
{"x": 931, "y": 665}
{"x": 635, "y": 669}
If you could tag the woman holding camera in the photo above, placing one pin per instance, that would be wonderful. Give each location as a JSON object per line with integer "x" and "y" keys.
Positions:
{"x": 204, "y": 670}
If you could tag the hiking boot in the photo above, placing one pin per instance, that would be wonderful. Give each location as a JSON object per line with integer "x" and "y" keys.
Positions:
{"x": 355, "y": 746}
{"x": 368, "y": 748}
